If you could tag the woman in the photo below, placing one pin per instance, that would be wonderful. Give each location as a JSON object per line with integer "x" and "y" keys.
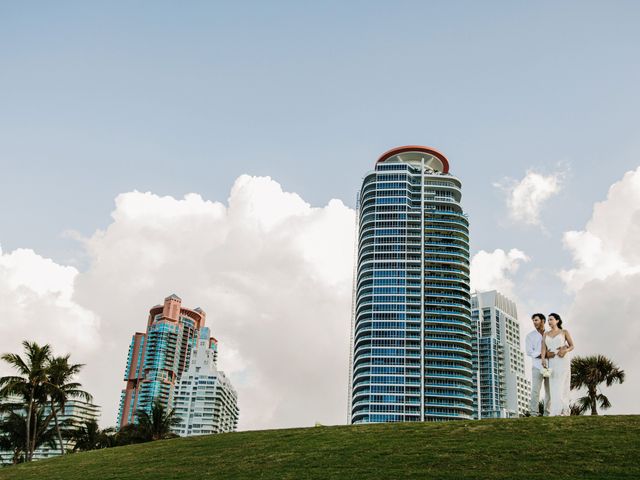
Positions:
{"x": 558, "y": 342}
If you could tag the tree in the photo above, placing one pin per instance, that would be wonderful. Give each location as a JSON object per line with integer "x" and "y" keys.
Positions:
{"x": 589, "y": 372}
{"x": 575, "y": 409}
{"x": 88, "y": 436}
{"x": 60, "y": 388}
{"x": 41, "y": 381}
{"x": 13, "y": 435}
{"x": 156, "y": 425}
{"x": 129, "y": 434}
{"x": 29, "y": 386}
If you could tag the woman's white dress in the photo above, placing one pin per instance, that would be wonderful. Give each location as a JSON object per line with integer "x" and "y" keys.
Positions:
{"x": 560, "y": 378}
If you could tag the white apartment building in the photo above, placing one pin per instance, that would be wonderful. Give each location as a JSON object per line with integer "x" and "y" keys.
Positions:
{"x": 204, "y": 398}
{"x": 501, "y": 388}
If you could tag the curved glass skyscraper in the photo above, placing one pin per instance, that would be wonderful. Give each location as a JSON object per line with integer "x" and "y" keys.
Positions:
{"x": 411, "y": 332}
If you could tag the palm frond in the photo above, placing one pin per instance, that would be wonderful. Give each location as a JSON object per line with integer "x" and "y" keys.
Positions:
{"x": 584, "y": 403}
{"x": 603, "y": 401}
{"x": 16, "y": 362}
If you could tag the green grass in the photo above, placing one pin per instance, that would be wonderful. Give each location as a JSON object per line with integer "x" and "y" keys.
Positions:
{"x": 605, "y": 447}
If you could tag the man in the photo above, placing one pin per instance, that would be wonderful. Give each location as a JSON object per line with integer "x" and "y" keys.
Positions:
{"x": 533, "y": 347}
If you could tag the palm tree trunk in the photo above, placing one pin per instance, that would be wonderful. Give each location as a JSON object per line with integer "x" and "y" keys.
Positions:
{"x": 594, "y": 405}
{"x": 55, "y": 419}
{"x": 27, "y": 456}
{"x": 32, "y": 447}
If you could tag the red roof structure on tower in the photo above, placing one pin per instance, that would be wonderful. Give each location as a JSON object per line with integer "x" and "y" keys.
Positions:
{"x": 417, "y": 148}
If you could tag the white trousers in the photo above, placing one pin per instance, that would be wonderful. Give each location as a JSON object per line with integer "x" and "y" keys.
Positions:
{"x": 536, "y": 383}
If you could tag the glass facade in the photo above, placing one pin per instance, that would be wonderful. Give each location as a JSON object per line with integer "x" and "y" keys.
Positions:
{"x": 411, "y": 333}
{"x": 489, "y": 384}
{"x": 158, "y": 357}
{"x": 501, "y": 388}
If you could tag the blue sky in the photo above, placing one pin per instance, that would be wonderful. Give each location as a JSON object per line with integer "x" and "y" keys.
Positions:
{"x": 171, "y": 98}
{"x": 101, "y": 99}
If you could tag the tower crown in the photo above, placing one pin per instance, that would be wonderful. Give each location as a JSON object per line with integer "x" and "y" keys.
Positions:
{"x": 414, "y": 154}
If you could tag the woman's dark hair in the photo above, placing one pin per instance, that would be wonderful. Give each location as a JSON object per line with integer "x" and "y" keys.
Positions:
{"x": 557, "y": 317}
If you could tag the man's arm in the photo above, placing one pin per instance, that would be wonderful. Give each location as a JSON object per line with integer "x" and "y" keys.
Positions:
{"x": 530, "y": 348}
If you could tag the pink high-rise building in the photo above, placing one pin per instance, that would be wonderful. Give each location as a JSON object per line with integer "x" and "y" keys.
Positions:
{"x": 158, "y": 357}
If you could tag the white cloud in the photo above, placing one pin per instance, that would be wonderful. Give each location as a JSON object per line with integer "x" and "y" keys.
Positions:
{"x": 36, "y": 304}
{"x": 526, "y": 197}
{"x": 272, "y": 273}
{"x": 493, "y": 270}
{"x": 610, "y": 243}
{"x": 606, "y": 281}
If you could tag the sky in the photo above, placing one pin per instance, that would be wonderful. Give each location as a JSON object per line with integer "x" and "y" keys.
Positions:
{"x": 215, "y": 149}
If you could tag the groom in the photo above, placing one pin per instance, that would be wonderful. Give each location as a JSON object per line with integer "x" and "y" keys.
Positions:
{"x": 533, "y": 346}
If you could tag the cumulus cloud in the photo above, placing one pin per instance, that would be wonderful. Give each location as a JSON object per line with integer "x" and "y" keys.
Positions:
{"x": 272, "y": 273}
{"x": 525, "y": 198}
{"x": 606, "y": 281}
{"x": 610, "y": 242}
{"x": 274, "y": 276}
{"x": 36, "y": 304}
{"x": 493, "y": 270}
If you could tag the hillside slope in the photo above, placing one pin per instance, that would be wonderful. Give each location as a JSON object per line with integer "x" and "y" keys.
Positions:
{"x": 532, "y": 448}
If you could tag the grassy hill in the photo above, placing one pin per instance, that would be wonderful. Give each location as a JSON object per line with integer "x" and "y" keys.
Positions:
{"x": 533, "y": 448}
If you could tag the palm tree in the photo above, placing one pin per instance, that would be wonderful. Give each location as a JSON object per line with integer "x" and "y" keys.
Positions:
{"x": 589, "y": 372}
{"x": 13, "y": 435}
{"x": 29, "y": 386}
{"x": 88, "y": 436}
{"x": 60, "y": 388}
{"x": 157, "y": 424}
{"x": 42, "y": 380}
{"x": 128, "y": 435}
{"x": 575, "y": 409}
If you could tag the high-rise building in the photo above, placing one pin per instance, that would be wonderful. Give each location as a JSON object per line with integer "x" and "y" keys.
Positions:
{"x": 411, "y": 331}
{"x": 174, "y": 362}
{"x": 205, "y": 400}
{"x": 158, "y": 357}
{"x": 501, "y": 388}
{"x": 74, "y": 414}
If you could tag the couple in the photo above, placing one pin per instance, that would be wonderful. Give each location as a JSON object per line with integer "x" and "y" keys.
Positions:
{"x": 550, "y": 364}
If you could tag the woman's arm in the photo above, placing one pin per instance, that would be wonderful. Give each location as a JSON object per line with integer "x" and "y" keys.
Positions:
{"x": 543, "y": 352}
{"x": 566, "y": 349}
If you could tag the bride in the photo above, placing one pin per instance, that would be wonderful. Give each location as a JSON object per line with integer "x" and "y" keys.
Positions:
{"x": 558, "y": 343}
